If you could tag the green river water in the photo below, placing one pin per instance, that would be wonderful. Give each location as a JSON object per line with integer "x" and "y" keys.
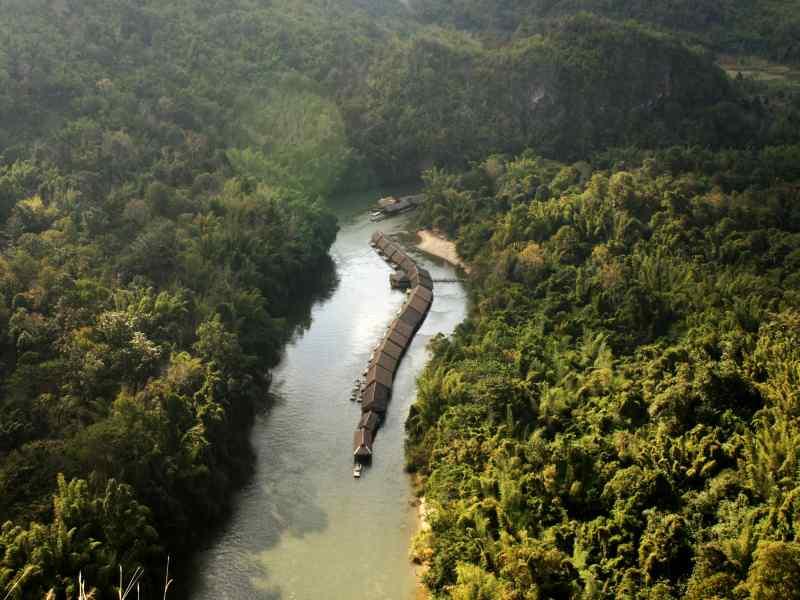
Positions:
{"x": 303, "y": 528}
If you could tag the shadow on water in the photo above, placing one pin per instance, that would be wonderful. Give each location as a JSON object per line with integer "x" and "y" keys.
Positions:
{"x": 296, "y": 514}
{"x": 281, "y": 512}
{"x": 319, "y": 289}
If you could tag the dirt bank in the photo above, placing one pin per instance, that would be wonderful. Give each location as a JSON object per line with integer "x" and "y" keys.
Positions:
{"x": 438, "y": 245}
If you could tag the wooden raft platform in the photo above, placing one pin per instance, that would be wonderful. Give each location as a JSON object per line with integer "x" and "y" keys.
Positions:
{"x": 376, "y": 390}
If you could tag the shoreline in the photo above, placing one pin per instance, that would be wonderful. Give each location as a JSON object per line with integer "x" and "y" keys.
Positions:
{"x": 419, "y": 562}
{"x": 438, "y": 245}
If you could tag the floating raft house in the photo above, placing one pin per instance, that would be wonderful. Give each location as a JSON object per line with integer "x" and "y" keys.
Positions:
{"x": 377, "y": 388}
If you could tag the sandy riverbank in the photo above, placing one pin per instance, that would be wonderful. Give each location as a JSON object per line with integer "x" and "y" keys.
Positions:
{"x": 419, "y": 556}
{"x": 438, "y": 245}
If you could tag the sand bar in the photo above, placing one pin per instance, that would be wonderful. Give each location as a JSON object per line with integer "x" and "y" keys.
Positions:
{"x": 437, "y": 245}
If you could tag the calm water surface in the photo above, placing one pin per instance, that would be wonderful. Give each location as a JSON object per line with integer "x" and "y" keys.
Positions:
{"x": 303, "y": 528}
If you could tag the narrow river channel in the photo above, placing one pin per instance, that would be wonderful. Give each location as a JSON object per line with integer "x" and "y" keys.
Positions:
{"x": 303, "y": 528}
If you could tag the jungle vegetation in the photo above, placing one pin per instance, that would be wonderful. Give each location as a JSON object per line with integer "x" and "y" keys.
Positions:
{"x": 768, "y": 28}
{"x": 164, "y": 174}
{"x": 620, "y": 415}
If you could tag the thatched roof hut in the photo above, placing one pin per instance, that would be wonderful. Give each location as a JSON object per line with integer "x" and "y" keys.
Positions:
{"x": 423, "y": 281}
{"x": 423, "y": 293}
{"x": 418, "y": 304}
{"x": 362, "y": 444}
{"x": 390, "y": 251}
{"x": 397, "y": 258}
{"x": 403, "y": 328}
{"x": 380, "y": 375}
{"x": 375, "y": 398}
{"x": 406, "y": 264}
{"x": 387, "y": 362}
{"x": 412, "y": 317}
{"x": 391, "y": 349}
{"x": 422, "y": 278}
{"x": 398, "y": 338}
{"x": 399, "y": 281}
{"x": 370, "y": 421}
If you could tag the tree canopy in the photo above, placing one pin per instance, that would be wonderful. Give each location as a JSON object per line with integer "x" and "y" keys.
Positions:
{"x": 619, "y": 414}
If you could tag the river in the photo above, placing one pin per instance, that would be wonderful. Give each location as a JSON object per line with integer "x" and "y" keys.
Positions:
{"x": 303, "y": 528}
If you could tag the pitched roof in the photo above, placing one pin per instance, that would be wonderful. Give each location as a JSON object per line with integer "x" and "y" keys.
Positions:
{"x": 406, "y": 264}
{"x": 423, "y": 278}
{"x": 375, "y": 398}
{"x": 403, "y": 328}
{"x": 425, "y": 282}
{"x": 391, "y": 349}
{"x": 411, "y": 316}
{"x": 370, "y": 421}
{"x": 362, "y": 442}
{"x": 390, "y": 250}
{"x": 423, "y": 293}
{"x": 419, "y": 304}
{"x": 398, "y": 338}
{"x": 379, "y": 374}
{"x": 398, "y": 254}
{"x": 387, "y": 362}
{"x": 399, "y": 278}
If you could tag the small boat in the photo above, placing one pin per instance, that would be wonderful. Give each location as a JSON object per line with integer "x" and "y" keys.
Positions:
{"x": 357, "y": 470}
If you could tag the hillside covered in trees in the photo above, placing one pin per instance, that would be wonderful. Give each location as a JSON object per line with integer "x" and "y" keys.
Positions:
{"x": 769, "y": 28}
{"x": 164, "y": 174}
{"x": 619, "y": 415}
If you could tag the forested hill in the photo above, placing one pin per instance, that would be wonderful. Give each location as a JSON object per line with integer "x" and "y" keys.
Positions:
{"x": 770, "y": 28}
{"x": 587, "y": 84}
{"x": 620, "y": 415}
{"x": 344, "y": 92}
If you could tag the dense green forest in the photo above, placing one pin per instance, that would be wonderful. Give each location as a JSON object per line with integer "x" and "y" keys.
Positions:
{"x": 619, "y": 416}
{"x": 770, "y": 28}
{"x": 165, "y": 169}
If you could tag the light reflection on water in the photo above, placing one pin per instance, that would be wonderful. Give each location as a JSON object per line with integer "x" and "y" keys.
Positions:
{"x": 303, "y": 528}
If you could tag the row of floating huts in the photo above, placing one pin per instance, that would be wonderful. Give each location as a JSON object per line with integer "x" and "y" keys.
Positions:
{"x": 376, "y": 389}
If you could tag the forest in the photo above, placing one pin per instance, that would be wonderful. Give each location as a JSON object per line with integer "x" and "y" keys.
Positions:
{"x": 619, "y": 415}
{"x": 616, "y": 417}
{"x": 768, "y": 28}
